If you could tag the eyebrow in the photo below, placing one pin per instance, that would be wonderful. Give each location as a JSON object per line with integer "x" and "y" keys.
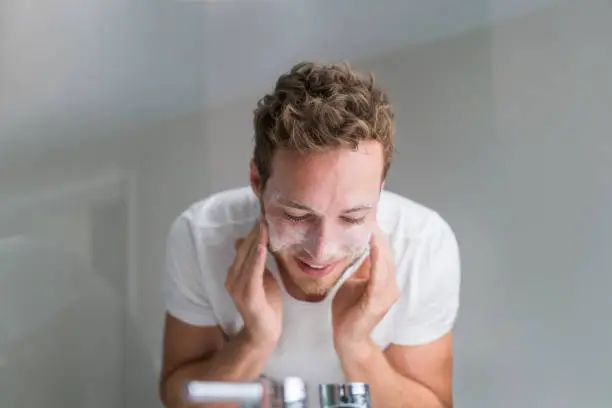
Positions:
{"x": 296, "y": 205}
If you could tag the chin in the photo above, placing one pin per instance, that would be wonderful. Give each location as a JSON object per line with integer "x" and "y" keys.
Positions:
{"x": 313, "y": 289}
{"x": 311, "y": 279}
{"x": 316, "y": 281}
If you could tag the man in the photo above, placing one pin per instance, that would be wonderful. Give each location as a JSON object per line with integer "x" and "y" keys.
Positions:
{"x": 315, "y": 271}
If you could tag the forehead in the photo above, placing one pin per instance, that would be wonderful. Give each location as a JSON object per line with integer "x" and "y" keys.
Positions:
{"x": 340, "y": 176}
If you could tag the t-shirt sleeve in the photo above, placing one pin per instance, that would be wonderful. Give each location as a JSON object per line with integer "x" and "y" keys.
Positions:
{"x": 185, "y": 296}
{"x": 428, "y": 309}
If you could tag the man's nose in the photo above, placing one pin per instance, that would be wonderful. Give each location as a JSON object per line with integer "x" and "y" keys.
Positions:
{"x": 321, "y": 236}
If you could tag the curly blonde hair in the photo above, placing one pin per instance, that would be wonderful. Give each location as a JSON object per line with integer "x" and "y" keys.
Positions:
{"x": 315, "y": 107}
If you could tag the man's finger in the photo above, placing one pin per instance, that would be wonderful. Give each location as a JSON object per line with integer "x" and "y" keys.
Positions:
{"x": 237, "y": 243}
{"x": 379, "y": 252}
{"x": 255, "y": 262}
{"x": 245, "y": 271}
{"x": 245, "y": 246}
{"x": 261, "y": 251}
{"x": 382, "y": 241}
{"x": 374, "y": 257}
{"x": 242, "y": 246}
{"x": 230, "y": 281}
{"x": 363, "y": 273}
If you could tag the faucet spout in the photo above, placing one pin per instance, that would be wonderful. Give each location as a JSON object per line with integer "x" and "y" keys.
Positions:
{"x": 249, "y": 394}
{"x": 289, "y": 393}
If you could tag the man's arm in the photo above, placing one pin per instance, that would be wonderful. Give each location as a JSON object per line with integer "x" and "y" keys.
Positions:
{"x": 416, "y": 370}
{"x": 195, "y": 347}
{"x": 403, "y": 376}
{"x": 203, "y": 353}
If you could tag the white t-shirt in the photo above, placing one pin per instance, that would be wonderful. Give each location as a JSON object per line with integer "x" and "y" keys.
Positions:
{"x": 200, "y": 249}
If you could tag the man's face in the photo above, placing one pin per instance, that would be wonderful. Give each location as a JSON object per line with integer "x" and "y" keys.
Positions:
{"x": 321, "y": 210}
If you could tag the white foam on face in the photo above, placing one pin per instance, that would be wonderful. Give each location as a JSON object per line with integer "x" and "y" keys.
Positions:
{"x": 341, "y": 242}
{"x": 282, "y": 239}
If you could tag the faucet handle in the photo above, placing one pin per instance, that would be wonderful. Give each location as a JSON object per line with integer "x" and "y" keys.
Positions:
{"x": 294, "y": 390}
{"x": 288, "y": 393}
{"x": 354, "y": 395}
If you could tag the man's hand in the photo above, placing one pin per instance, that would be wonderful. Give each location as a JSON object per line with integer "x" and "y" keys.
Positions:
{"x": 254, "y": 290}
{"x": 365, "y": 298}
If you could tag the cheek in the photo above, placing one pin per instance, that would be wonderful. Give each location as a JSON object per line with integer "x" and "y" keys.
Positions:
{"x": 357, "y": 236}
{"x": 283, "y": 235}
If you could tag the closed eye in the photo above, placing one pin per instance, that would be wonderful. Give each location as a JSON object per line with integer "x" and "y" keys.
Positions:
{"x": 297, "y": 218}
{"x": 354, "y": 220}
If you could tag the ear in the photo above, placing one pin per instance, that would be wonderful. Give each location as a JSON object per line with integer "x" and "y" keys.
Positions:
{"x": 255, "y": 179}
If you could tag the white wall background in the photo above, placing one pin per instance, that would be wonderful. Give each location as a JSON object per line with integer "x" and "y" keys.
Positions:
{"x": 506, "y": 131}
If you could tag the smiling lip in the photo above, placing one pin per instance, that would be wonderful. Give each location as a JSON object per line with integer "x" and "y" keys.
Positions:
{"x": 315, "y": 270}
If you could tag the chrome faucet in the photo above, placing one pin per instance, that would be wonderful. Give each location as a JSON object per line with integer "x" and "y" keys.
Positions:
{"x": 290, "y": 393}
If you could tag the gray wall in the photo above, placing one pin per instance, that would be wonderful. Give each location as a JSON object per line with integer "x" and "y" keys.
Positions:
{"x": 508, "y": 133}
{"x": 61, "y": 323}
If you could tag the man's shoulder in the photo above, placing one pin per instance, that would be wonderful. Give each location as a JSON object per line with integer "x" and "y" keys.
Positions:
{"x": 415, "y": 231}
{"x": 232, "y": 206}
{"x": 221, "y": 216}
{"x": 428, "y": 268}
{"x": 405, "y": 219}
